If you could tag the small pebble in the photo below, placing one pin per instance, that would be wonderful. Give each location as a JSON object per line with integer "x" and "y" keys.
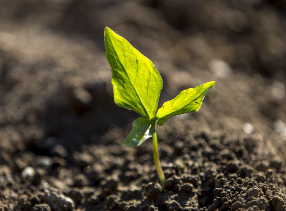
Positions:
{"x": 248, "y": 128}
{"x": 278, "y": 90}
{"x": 220, "y": 68}
{"x": 28, "y": 173}
{"x": 44, "y": 162}
{"x": 81, "y": 96}
{"x": 279, "y": 126}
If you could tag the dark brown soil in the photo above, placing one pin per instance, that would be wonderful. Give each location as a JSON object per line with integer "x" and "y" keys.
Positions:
{"x": 61, "y": 134}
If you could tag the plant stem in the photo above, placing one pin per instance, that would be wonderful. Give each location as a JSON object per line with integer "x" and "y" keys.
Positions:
{"x": 157, "y": 162}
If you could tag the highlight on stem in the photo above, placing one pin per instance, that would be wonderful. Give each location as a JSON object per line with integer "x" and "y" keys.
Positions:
{"x": 137, "y": 85}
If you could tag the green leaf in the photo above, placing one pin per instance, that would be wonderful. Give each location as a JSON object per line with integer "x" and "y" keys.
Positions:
{"x": 136, "y": 82}
{"x": 141, "y": 131}
{"x": 189, "y": 100}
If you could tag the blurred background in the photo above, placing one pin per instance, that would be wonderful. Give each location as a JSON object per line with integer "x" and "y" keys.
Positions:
{"x": 55, "y": 85}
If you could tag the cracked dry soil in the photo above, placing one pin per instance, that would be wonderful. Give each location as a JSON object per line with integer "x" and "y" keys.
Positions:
{"x": 61, "y": 134}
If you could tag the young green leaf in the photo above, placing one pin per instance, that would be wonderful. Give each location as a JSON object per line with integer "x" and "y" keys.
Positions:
{"x": 136, "y": 82}
{"x": 140, "y": 132}
{"x": 189, "y": 100}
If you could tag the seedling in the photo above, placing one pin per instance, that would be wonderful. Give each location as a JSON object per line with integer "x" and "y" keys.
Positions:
{"x": 137, "y": 85}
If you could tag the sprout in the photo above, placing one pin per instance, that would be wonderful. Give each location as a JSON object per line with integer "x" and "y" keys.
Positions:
{"x": 137, "y": 86}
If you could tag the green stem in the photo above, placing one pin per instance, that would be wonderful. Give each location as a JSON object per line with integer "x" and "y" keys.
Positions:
{"x": 157, "y": 162}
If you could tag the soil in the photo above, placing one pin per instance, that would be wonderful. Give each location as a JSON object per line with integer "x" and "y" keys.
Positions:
{"x": 61, "y": 133}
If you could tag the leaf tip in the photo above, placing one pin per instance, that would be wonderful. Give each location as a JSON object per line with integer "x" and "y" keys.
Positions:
{"x": 106, "y": 29}
{"x": 208, "y": 85}
{"x": 212, "y": 83}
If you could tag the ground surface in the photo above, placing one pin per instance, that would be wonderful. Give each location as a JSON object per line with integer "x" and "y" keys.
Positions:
{"x": 61, "y": 134}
